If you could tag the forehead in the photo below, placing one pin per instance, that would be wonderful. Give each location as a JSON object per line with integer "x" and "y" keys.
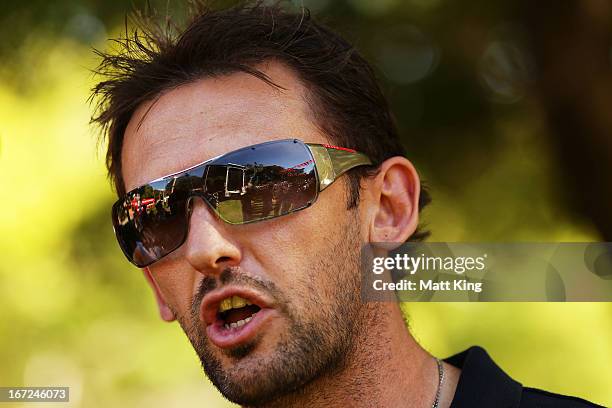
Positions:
{"x": 212, "y": 116}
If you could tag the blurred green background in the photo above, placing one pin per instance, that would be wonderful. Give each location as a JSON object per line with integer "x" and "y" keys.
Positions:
{"x": 505, "y": 108}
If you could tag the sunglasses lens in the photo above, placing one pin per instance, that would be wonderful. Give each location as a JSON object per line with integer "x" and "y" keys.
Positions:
{"x": 151, "y": 222}
{"x": 251, "y": 184}
{"x": 261, "y": 182}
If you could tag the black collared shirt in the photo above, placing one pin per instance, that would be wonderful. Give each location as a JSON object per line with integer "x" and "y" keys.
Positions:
{"x": 484, "y": 384}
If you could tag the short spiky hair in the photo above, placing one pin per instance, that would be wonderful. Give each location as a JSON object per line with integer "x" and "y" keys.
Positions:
{"x": 341, "y": 88}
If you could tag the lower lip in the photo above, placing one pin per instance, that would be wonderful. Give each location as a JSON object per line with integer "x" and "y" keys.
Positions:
{"x": 233, "y": 337}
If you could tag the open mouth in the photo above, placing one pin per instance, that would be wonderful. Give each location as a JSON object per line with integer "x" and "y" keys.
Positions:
{"x": 235, "y": 316}
{"x": 236, "y": 312}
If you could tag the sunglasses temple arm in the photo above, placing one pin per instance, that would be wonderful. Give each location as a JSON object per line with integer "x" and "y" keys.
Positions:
{"x": 332, "y": 162}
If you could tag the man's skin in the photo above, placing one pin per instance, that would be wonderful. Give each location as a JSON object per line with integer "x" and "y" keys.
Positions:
{"x": 367, "y": 357}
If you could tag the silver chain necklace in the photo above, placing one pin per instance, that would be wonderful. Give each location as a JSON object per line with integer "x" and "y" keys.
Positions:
{"x": 440, "y": 381}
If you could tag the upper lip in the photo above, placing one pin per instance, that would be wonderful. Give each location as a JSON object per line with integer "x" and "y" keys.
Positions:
{"x": 210, "y": 303}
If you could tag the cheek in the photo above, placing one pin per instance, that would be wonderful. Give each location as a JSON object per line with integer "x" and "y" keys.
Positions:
{"x": 296, "y": 243}
{"x": 176, "y": 288}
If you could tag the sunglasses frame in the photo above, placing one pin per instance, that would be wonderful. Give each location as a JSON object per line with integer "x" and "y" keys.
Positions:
{"x": 329, "y": 161}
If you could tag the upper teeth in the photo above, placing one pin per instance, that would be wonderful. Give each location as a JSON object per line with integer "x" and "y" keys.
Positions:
{"x": 234, "y": 302}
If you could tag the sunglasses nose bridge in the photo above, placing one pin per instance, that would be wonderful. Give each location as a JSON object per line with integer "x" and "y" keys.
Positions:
{"x": 191, "y": 203}
{"x": 189, "y": 208}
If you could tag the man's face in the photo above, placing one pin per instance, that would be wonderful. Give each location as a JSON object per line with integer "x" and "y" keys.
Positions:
{"x": 300, "y": 271}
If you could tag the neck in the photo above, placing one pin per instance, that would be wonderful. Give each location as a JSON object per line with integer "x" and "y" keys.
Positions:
{"x": 385, "y": 368}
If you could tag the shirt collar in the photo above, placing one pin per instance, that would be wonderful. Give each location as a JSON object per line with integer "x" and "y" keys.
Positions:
{"x": 482, "y": 382}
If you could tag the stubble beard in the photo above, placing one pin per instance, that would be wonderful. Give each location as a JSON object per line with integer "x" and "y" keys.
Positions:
{"x": 318, "y": 341}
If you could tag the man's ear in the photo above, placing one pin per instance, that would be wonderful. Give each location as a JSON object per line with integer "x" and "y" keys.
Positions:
{"x": 394, "y": 202}
{"x": 164, "y": 311}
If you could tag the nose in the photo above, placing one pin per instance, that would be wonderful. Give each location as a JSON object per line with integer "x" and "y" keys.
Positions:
{"x": 209, "y": 247}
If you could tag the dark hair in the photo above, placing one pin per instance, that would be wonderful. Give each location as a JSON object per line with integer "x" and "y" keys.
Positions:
{"x": 341, "y": 88}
